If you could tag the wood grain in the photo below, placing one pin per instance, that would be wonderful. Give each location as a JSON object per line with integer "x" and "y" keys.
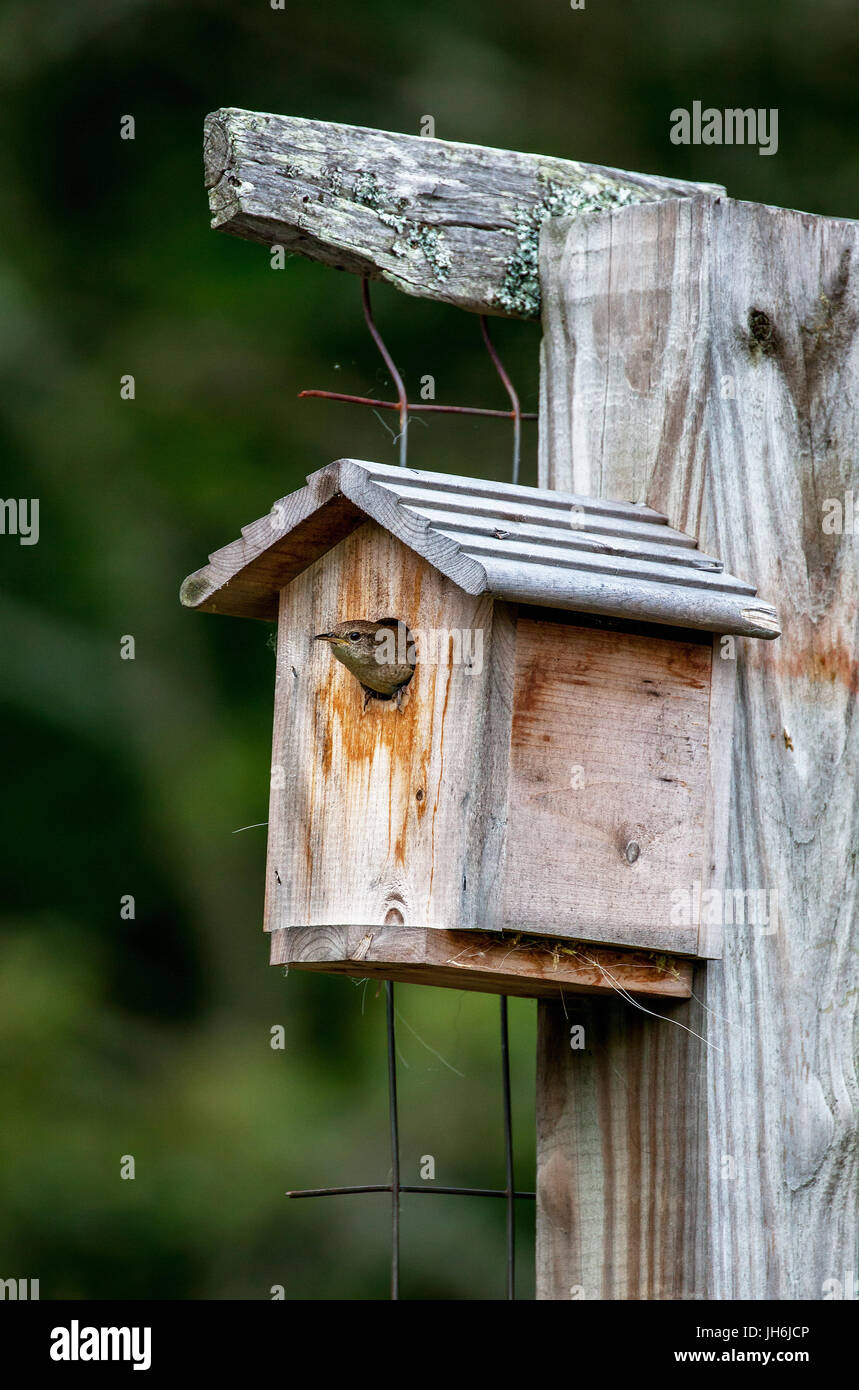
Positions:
{"x": 479, "y": 961}
{"x": 717, "y": 802}
{"x": 379, "y": 814}
{"x": 453, "y": 222}
{"x": 522, "y": 544}
{"x": 703, "y": 356}
{"x": 608, "y": 782}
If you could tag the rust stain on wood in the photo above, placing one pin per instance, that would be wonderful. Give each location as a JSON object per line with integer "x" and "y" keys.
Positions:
{"x": 372, "y": 796}
{"x": 834, "y": 663}
{"x": 440, "y": 771}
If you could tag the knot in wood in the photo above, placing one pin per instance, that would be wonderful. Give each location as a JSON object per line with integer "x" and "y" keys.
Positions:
{"x": 762, "y": 333}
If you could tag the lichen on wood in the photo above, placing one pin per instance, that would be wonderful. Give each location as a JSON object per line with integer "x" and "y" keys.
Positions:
{"x": 453, "y": 222}
{"x": 520, "y": 292}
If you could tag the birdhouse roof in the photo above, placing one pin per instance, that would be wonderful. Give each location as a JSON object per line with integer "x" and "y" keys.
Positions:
{"x": 523, "y": 544}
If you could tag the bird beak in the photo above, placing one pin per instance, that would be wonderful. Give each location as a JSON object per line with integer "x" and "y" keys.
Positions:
{"x": 324, "y": 637}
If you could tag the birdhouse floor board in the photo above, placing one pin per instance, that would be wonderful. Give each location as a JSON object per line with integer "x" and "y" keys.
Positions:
{"x": 479, "y": 961}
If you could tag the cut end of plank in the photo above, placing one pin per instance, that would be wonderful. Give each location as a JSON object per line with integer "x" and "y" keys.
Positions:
{"x": 195, "y": 589}
{"x": 763, "y": 621}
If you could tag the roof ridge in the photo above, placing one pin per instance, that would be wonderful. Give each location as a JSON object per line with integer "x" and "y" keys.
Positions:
{"x": 654, "y": 573}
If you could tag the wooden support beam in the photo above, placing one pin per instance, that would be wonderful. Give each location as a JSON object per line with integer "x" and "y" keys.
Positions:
{"x": 703, "y": 356}
{"x": 453, "y": 222}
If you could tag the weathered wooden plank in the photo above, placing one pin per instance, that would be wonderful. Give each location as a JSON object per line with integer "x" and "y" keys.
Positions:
{"x": 613, "y": 1219}
{"x": 479, "y": 961}
{"x": 454, "y": 222}
{"x": 608, "y": 776}
{"x": 704, "y": 356}
{"x": 244, "y": 578}
{"x": 382, "y": 815}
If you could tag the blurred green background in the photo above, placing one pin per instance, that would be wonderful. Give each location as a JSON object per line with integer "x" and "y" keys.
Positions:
{"x": 151, "y": 1037}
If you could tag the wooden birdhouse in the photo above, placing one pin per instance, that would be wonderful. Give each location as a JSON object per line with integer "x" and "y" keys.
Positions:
{"x": 539, "y": 804}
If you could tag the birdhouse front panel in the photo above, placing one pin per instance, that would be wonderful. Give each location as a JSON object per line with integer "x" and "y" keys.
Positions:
{"x": 384, "y": 811}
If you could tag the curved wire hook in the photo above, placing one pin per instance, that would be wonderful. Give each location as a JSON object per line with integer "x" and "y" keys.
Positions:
{"x": 511, "y": 392}
{"x": 395, "y": 376}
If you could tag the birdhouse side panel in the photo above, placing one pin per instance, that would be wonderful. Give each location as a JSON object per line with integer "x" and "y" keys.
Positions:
{"x": 381, "y": 814}
{"x": 608, "y": 786}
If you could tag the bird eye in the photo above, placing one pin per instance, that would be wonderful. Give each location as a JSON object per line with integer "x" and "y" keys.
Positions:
{"x": 354, "y": 636}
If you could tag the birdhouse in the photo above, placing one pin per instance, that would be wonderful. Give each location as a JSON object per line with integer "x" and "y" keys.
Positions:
{"x": 502, "y": 730}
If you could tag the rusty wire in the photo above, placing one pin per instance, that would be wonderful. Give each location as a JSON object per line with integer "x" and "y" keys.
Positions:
{"x": 402, "y": 400}
{"x": 514, "y": 399}
{"x": 404, "y": 407}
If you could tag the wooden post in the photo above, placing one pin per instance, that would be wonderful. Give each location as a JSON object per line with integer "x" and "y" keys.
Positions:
{"x": 702, "y": 355}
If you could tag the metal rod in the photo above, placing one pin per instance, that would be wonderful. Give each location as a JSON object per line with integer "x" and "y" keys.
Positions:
{"x": 514, "y": 399}
{"x": 415, "y": 408}
{"x": 432, "y": 1191}
{"x": 340, "y": 1191}
{"x": 395, "y": 1141}
{"x": 508, "y": 1152}
{"x": 403, "y": 404}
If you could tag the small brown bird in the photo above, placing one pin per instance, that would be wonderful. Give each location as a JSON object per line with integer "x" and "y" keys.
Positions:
{"x": 380, "y": 654}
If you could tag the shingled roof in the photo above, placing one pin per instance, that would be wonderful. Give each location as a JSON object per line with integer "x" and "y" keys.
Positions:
{"x": 524, "y": 544}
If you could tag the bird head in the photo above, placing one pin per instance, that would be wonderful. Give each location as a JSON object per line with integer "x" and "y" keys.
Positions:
{"x": 376, "y": 652}
{"x": 355, "y": 638}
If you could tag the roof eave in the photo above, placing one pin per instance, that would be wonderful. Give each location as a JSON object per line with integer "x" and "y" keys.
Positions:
{"x": 244, "y": 578}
